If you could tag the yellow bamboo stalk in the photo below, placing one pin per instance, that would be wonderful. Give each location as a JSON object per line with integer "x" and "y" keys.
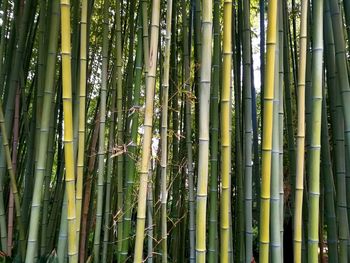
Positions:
{"x": 267, "y": 131}
{"x": 299, "y": 184}
{"x": 225, "y": 132}
{"x": 68, "y": 129}
{"x": 146, "y": 145}
{"x": 81, "y": 128}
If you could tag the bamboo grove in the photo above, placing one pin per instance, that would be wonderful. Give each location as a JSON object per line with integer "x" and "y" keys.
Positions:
{"x": 175, "y": 131}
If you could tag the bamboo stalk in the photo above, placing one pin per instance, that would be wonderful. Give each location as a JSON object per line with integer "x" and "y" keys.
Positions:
{"x": 164, "y": 132}
{"x": 315, "y": 140}
{"x": 332, "y": 235}
{"x": 248, "y": 133}
{"x": 68, "y": 129}
{"x": 213, "y": 247}
{"x": 82, "y": 107}
{"x": 203, "y": 148}
{"x": 44, "y": 136}
{"x": 267, "y": 131}
{"x": 299, "y": 184}
{"x": 275, "y": 169}
{"x": 131, "y": 158}
{"x": 14, "y": 166}
{"x": 101, "y": 142}
{"x": 341, "y": 63}
{"x": 188, "y": 131}
{"x": 225, "y": 117}
{"x": 146, "y": 145}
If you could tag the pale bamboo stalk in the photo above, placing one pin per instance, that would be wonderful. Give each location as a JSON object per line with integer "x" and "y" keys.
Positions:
{"x": 315, "y": 137}
{"x": 203, "y": 148}
{"x": 275, "y": 244}
{"x": 146, "y": 145}
{"x": 300, "y": 151}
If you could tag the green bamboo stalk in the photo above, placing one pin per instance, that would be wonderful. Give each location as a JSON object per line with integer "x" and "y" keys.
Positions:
{"x": 175, "y": 175}
{"x": 110, "y": 165}
{"x": 82, "y": 108}
{"x": 40, "y": 71}
{"x": 15, "y": 170}
{"x": 62, "y": 237}
{"x": 289, "y": 103}
{"x": 131, "y": 157}
{"x": 13, "y": 182}
{"x": 339, "y": 146}
{"x": 214, "y": 136}
{"x": 248, "y": 133}
{"x": 347, "y": 16}
{"x": 146, "y": 151}
{"x": 341, "y": 63}
{"x": 340, "y": 171}
{"x": 238, "y": 233}
{"x": 48, "y": 195}
{"x": 13, "y": 66}
{"x": 2, "y": 48}
{"x": 188, "y": 133}
{"x": 101, "y": 142}
{"x": 40, "y": 170}
{"x": 308, "y": 104}
{"x": 315, "y": 139}
{"x": 332, "y": 235}
{"x": 164, "y": 132}
{"x": 120, "y": 126}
